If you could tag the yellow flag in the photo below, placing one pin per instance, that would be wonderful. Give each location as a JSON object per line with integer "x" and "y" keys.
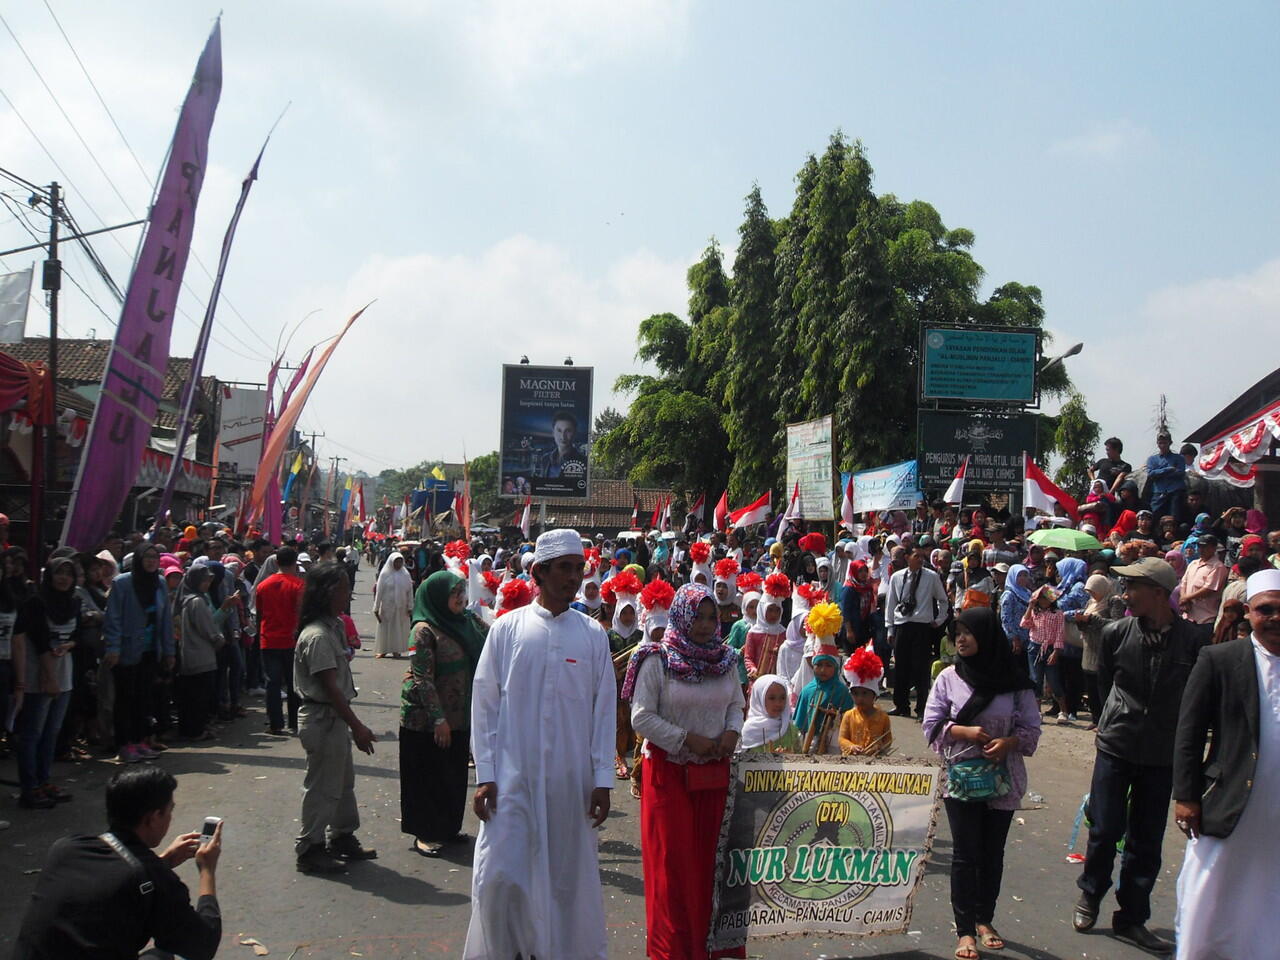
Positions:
{"x": 437, "y": 473}
{"x": 297, "y": 463}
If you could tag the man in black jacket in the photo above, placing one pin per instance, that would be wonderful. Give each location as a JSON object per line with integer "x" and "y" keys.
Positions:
{"x": 1225, "y": 803}
{"x": 107, "y": 896}
{"x": 1144, "y": 663}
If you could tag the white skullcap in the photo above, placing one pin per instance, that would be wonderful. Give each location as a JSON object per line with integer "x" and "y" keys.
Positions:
{"x": 1261, "y": 582}
{"x": 557, "y": 543}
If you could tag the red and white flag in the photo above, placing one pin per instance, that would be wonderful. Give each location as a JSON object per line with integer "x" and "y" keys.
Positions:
{"x": 698, "y": 508}
{"x": 1042, "y": 493}
{"x": 666, "y": 516}
{"x": 635, "y": 514}
{"x": 657, "y": 515}
{"x": 955, "y": 492}
{"x": 756, "y": 512}
{"x": 846, "y": 505}
{"x": 795, "y": 511}
{"x": 721, "y": 516}
{"x": 524, "y": 517}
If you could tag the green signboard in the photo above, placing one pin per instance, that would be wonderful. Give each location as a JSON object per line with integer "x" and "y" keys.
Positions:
{"x": 979, "y": 365}
{"x": 830, "y": 846}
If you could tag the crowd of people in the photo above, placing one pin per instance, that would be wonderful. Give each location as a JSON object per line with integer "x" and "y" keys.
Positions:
{"x": 561, "y": 667}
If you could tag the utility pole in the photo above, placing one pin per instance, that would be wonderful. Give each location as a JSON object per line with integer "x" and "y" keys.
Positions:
{"x": 332, "y": 487}
{"x": 52, "y": 284}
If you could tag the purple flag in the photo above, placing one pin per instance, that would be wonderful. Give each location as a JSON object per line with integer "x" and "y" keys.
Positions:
{"x": 134, "y": 377}
{"x": 192, "y": 386}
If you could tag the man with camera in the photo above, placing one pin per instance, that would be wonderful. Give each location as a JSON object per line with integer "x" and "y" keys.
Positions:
{"x": 916, "y": 607}
{"x": 107, "y": 896}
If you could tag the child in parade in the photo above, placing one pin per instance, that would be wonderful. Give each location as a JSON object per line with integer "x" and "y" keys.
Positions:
{"x": 726, "y": 591}
{"x": 765, "y": 637}
{"x": 822, "y": 703}
{"x": 624, "y": 636}
{"x": 864, "y": 730}
{"x": 750, "y": 584}
{"x": 769, "y": 728}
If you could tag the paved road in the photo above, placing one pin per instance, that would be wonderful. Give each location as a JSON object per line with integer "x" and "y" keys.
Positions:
{"x": 402, "y": 905}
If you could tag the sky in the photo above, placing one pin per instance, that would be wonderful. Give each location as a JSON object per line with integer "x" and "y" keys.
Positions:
{"x": 507, "y": 178}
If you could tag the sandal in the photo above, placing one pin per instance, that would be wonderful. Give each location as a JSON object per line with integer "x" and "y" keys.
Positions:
{"x": 620, "y": 768}
{"x": 991, "y": 940}
{"x": 966, "y": 951}
{"x": 431, "y": 850}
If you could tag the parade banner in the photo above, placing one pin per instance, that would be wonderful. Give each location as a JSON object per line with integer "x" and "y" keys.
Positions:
{"x": 810, "y": 463}
{"x": 967, "y": 364}
{"x": 546, "y": 416}
{"x": 134, "y": 376}
{"x": 993, "y": 444}
{"x": 830, "y": 847}
{"x": 895, "y": 487}
{"x": 15, "y": 291}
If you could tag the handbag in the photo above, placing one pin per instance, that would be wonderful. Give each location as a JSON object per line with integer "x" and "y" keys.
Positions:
{"x": 707, "y": 776}
{"x": 1072, "y": 635}
{"x": 978, "y": 779}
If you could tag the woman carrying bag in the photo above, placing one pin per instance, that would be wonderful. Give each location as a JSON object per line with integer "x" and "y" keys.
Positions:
{"x": 982, "y": 719}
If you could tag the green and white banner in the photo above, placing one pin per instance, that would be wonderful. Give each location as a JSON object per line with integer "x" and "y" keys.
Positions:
{"x": 822, "y": 846}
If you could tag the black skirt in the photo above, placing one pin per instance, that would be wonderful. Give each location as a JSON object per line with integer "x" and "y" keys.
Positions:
{"x": 433, "y": 784}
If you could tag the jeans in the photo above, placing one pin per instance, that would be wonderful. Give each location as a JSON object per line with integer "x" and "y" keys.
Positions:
{"x": 913, "y": 658}
{"x": 279, "y": 664}
{"x": 230, "y": 674}
{"x": 38, "y": 724}
{"x": 1066, "y": 679}
{"x": 1169, "y": 504}
{"x": 1127, "y": 802}
{"x": 978, "y": 836}
{"x": 1035, "y": 668}
{"x": 255, "y": 675}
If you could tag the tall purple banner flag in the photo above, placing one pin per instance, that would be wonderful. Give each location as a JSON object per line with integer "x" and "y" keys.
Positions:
{"x": 134, "y": 377}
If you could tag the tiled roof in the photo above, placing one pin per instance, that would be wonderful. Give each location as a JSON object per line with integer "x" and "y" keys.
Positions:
{"x": 608, "y": 507}
{"x": 82, "y": 361}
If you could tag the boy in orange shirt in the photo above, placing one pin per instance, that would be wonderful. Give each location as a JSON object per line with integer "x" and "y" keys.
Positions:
{"x": 865, "y": 729}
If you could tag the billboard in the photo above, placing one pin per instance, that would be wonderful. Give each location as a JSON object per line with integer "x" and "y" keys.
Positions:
{"x": 994, "y": 445}
{"x": 821, "y": 847}
{"x": 810, "y": 463}
{"x": 895, "y": 487}
{"x": 546, "y": 415}
{"x": 240, "y": 430}
{"x": 970, "y": 364}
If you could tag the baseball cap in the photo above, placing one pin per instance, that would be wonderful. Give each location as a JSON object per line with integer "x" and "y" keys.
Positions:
{"x": 1158, "y": 571}
{"x": 1001, "y": 568}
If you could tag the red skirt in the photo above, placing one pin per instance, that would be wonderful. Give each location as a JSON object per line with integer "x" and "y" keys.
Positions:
{"x": 679, "y": 834}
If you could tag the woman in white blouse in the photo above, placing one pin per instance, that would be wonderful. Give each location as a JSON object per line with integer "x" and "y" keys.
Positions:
{"x": 687, "y": 704}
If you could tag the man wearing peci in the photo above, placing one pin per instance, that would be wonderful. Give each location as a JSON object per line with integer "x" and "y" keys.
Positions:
{"x": 1225, "y": 803}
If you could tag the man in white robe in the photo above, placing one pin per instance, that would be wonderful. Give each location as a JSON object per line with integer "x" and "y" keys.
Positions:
{"x": 543, "y": 711}
{"x": 1226, "y": 804}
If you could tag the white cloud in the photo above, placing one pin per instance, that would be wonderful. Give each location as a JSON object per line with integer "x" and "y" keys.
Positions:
{"x": 1107, "y": 141}
{"x": 419, "y": 375}
{"x": 1201, "y": 344}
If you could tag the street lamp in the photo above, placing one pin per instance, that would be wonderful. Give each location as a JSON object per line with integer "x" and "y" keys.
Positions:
{"x": 1071, "y": 352}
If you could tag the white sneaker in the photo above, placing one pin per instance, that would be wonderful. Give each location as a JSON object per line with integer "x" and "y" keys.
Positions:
{"x": 257, "y": 692}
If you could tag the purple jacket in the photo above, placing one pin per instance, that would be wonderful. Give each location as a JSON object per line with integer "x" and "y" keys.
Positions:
{"x": 1008, "y": 714}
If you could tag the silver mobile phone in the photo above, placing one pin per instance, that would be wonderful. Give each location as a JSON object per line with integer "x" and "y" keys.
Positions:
{"x": 207, "y": 831}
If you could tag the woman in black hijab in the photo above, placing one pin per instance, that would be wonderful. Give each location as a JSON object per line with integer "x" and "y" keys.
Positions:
{"x": 982, "y": 718}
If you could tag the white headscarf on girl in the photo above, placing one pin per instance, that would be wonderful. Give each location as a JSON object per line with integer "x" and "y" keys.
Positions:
{"x": 622, "y": 601}
{"x": 761, "y": 728}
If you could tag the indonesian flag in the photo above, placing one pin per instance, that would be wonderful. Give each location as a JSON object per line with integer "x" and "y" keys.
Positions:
{"x": 846, "y": 505}
{"x": 721, "y": 516}
{"x": 666, "y": 515}
{"x": 753, "y": 512}
{"x": 524, "y": 517}
{"x": 360, "y": 502}
{"x": 955, "y": 492}
{"x": 795, "y": 511}
{"x": 699, "y": 507}
{"x": 657, "y": 515}
{"x": 1042, "y": 493}
{"x": 635, "y": 514}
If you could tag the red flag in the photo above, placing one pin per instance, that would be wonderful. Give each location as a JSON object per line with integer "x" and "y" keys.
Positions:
{"x": 721, "y": 516}
{"x": 698, "y": 508}
{"x": 657, "y": 514}
{"x": 753, "y": 512}
{"x": 795, "y": 511}
{"x": 955, "y": 492}
{"x": 1040, "y": 492}
{"x": 846, "y": 504}
{"x": 666, "y": 515}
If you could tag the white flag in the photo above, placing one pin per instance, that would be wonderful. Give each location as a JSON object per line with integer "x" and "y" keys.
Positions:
{"x": 15, "y": 291}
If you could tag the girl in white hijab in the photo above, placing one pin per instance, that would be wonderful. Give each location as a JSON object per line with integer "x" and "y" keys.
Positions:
{"x": 769, "y": 728}
{"x": 393, "y": 606}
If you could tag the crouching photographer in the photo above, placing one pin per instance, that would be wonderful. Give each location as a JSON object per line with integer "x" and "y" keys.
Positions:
{"x": 109, "y": 895}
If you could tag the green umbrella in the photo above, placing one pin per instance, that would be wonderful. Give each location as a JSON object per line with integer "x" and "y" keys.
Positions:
{"x": 1064, "y": 538}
